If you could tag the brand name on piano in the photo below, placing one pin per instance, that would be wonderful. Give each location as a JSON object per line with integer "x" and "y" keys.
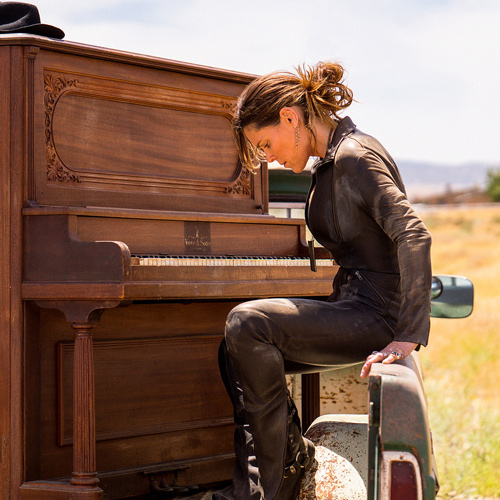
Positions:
{"x": 197, "y": 238}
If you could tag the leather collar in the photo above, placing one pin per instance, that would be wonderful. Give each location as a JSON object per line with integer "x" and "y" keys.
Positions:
{"x": 344, "y": 128}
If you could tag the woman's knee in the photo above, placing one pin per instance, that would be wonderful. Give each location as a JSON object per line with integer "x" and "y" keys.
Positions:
{"x": 244, "y": 322}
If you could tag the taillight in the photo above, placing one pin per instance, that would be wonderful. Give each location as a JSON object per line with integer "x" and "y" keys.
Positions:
{"x": 400, "y": 476}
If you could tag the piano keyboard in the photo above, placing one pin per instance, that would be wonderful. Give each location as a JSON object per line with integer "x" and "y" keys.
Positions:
{"x": 185, "y": 260}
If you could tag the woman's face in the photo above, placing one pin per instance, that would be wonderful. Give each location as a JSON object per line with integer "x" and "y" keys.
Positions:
{"x": 278, "y": 142}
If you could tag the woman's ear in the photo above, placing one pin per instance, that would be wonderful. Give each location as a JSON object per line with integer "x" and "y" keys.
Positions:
{"x": 290, "y": 116}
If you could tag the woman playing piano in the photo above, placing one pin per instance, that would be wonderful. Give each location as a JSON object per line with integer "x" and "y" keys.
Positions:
{"x": 379, "y": 309}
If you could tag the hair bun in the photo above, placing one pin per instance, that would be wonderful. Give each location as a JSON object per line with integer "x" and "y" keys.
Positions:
{"x": 325, "y": 93}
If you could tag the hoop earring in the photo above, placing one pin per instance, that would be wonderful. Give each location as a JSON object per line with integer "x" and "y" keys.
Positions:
{"x": 297, "y": 137}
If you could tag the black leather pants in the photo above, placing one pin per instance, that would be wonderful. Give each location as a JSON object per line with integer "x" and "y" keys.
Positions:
{"x": 265, "y": 339}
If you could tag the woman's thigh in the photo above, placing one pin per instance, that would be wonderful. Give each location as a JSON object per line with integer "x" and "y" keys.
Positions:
{"x": 309, "y": 332}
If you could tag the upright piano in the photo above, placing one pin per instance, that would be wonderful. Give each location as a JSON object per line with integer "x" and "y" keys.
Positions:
{"x": 129, "y": 229}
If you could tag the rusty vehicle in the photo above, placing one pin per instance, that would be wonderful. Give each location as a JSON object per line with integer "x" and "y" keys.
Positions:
{"x": 382, "y": 451}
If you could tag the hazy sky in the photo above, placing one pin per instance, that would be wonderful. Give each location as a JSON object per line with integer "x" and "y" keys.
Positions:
{"x": 425, "y": 73}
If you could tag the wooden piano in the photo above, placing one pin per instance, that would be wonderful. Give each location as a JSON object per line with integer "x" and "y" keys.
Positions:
{"x": 128, "y": 231}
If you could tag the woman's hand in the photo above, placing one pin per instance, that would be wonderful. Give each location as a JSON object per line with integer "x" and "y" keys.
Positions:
{"x": 391, "y": 353}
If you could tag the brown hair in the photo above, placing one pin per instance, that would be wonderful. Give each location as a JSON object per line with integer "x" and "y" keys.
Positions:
{"x": 318, "y": 91}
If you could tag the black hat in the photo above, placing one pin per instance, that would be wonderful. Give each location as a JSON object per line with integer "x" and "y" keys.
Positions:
{"x": 18, "y": 17}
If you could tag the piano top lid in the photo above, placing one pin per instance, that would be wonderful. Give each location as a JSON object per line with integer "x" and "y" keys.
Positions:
{"x": 163, "y": 215}
{"x": 70, "y": 47}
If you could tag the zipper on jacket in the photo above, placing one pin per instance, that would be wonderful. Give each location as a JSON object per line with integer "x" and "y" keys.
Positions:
{"x": 336, "y": 224}
{"x": 370, "y": 286}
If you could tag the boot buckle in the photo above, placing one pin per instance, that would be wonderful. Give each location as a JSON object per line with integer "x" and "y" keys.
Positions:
{"x": 292, "y": 469}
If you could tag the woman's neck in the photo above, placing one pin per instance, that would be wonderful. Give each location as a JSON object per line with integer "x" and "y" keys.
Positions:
{"x": 322, "y": 133}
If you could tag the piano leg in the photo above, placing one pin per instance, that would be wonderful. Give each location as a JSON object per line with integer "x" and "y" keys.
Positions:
{"x": 83, "y": 315}
{"x": 84, "y": 447}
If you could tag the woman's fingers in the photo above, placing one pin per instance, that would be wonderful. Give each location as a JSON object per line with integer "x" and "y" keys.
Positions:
{"x": 393, "y": 352}
{"x": 374, "y": 357}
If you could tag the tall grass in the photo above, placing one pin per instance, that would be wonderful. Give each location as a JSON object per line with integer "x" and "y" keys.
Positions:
{"x": 462, "y": 362}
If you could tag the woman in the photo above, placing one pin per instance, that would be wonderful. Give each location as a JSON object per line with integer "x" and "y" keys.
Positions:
{"x": 379, "y": 309}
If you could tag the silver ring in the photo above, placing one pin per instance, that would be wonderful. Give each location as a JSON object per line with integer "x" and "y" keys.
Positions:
{"x": 374, "y": 353}
{"x": 397, "y": 354}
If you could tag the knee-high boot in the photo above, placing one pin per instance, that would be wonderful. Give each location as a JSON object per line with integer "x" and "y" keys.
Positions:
{"x": 246, "y": 483}
{"x": 299, "y": 456}
{"x": 271, "y": 454}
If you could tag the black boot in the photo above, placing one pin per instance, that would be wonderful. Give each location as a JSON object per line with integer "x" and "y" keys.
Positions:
{"x": 299, "y": 456}
{"x": 246, "y": 478}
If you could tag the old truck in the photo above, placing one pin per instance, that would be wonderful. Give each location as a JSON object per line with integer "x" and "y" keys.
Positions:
{"x": 379, "y": 447}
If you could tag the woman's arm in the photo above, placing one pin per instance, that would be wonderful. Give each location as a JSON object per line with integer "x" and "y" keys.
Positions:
{"x": 385, "y": 199}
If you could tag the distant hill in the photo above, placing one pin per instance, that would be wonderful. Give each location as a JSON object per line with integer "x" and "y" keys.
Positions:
{"x": 425, "y": 179}
{"x": 422, "y": 179}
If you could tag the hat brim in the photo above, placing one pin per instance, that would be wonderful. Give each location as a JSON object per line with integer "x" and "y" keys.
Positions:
{"x": 38, "y": 29}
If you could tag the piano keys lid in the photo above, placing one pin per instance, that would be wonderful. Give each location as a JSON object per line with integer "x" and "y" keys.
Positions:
{"x": 145, "y": 255}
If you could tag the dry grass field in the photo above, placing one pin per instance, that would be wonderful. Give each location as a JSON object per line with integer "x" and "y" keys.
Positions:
{"x": 462, "y": 362}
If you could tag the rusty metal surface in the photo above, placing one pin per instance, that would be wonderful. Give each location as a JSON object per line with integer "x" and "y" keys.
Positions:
{"x": 340, "y": 467}
{"x": 343, "y": 391}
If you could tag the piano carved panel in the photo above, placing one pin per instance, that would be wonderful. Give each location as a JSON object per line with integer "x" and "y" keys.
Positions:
{"x": 162, "y": 133}
{"x": 137, "y": 138}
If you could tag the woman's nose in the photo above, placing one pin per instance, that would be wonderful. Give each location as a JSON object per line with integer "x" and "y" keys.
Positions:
{"x": 270, "y": 157}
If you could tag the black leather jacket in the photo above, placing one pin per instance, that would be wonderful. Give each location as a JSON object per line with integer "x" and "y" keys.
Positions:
{"x": 357, "y": 208}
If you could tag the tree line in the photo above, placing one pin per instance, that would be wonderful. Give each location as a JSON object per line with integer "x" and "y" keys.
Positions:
{"x": 493, "y": 184}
